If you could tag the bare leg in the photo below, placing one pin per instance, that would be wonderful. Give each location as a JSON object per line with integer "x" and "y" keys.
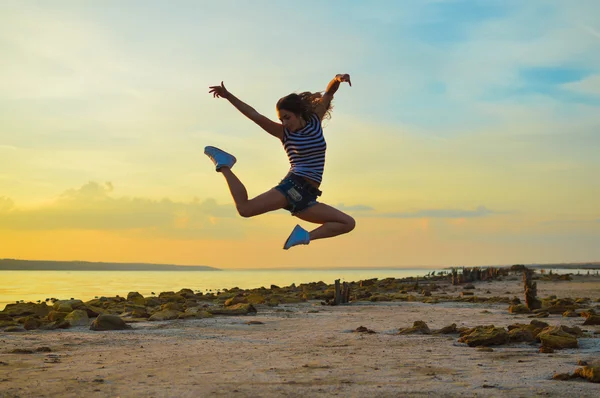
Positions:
{"x": 334, "y": 222}
{"x": 268, "y": 201}
{"x": 237, "y": 189}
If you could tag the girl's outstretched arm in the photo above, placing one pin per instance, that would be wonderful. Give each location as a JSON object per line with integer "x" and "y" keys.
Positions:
{"x": 332, "y": 87}
{"x": 271, "y": 127}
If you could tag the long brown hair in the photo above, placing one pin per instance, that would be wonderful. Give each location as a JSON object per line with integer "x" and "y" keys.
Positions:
{"x": 303, "y": 104}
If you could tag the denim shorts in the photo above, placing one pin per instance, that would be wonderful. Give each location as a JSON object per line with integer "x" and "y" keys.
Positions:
{"x": 299, "y": 193}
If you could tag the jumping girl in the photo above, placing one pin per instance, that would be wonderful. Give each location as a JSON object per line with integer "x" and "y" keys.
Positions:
{"x": 301, "y": 134}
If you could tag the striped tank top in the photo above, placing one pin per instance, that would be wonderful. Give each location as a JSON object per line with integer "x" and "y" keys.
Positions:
{"x": 306, "y": 149}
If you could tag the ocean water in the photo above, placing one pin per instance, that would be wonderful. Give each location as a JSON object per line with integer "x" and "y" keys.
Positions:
{"x": 85, "y": 285}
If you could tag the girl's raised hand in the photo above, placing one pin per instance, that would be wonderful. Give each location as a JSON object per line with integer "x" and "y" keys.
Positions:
{"x": 219, "y": 91}
{"x": 344, "y": 78}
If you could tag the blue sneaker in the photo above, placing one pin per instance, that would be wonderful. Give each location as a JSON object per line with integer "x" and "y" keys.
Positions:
{"x": 220, "y": 158}
{"x": 299, "y": 236}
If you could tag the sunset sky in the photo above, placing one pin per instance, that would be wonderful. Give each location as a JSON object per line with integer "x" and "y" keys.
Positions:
{"x": 470, "y": 135}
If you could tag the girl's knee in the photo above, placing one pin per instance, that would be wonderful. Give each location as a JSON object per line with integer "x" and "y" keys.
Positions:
{"x": 350, "y": 224}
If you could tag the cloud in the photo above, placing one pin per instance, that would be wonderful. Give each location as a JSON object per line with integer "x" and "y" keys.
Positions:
{"x": 6, "y": 204}
{"x": 569, "y": 222}
{"x": 367, "y": 211}
{"x": 8, "y": 148}
{"x": 591, "y": 31}
{"x": 590, "y": 85}
{"x": 480, "y": 211}
{"x": 92, "y": 207}
{"x": 354, "y": 208}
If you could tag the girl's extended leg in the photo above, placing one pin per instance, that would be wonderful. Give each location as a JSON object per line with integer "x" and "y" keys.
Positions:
{"x": 334, "y": 222}
{"x": 268, "y": 201}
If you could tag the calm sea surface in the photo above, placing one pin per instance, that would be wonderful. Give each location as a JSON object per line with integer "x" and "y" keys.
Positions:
{"x": 85, "y": 285}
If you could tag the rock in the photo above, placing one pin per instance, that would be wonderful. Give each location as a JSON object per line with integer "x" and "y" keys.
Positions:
{"x": 521, "y": 335}
{"x": 451, "y": 329}
{"x": 78, "y": 318}
{"x": 419, "y": 327}
{"x": 380, "y": 298}
{"x": 136, "y": 298}
{"x": 570, "y": 314}
{"x": 68, "y": 305}
{"x": 525, "y": 333}
{"x": 542, "y": 314}
{"x": 187, "y": 293}
{"x": 535, "y": 327}
{"x": 363, "y": 329}
{"x": 196, "y": 312}
{"x": 21, "y": 351}
{"x": 546, "y": 350}
{"x": 592, "y": 320}
{"x": 235, "y": 300}
{"x": 171, "y": 296}
{"x": 367, "y": 282}
{"x": 237, "y": 309}
{"x": 468, "y": 286}
{"x": 14, "y": 329}
{"x": 515, "y": 301}
{"x": 293, "y": 299}
{"x": 189, "y": 303}
{"x": 23, "y": 309}
{"x": 54, "y": 316}
{"x": 135, "y": 311}
{"x": 174, "y": 306}
{"x": 152, "y": 302}
{"x": 485, "y": 335}
{"x": 109, "y": 322}
{"x": 575, "y": 330}
{"x": 4, "y": 324}
{"x": 164, "y": 315}
{"x": 562, "y": 376}
{"x": 5, "y": 317}
{"x": 556, "y": 338}
{"x": 560, "y": 306}
{"x": 32, "y": 323}
{"x": 256, "y": 299}
{"x": 518, "y": 309}
{"x": 591, "y": 373}
{"x": 60, "y": 324}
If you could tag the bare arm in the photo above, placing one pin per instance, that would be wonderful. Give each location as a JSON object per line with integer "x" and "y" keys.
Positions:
{"x": 332, "y": 87}
{"x": 271, "y": 127}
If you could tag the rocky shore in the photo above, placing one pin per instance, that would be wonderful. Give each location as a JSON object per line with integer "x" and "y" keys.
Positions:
{"x": 442, "y": 335}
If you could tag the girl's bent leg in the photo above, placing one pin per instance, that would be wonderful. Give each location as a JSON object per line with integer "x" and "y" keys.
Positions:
{"x": 334, "y": 222}
{"x": 266, "y": 202}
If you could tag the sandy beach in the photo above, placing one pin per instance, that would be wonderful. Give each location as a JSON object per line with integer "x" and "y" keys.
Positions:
{"x": 308, "y": 349}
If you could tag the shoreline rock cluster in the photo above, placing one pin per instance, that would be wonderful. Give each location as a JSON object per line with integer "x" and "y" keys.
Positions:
{"x": 188, "y": 304}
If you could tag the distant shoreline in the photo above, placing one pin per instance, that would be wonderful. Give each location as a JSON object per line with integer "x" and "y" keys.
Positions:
{"x": 41, "y": 265}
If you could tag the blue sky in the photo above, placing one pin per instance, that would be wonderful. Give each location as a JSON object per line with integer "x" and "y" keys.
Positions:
{"x": 470, "y": 133}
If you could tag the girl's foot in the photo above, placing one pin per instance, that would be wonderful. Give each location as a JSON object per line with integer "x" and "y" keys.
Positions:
{"x": 220, "y": 158}
{"x": 299, "y": 236}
